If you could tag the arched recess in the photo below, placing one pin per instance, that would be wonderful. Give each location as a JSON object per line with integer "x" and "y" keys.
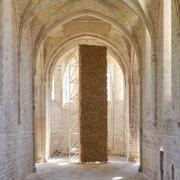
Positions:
{"x": 42, "y": 35}
{"x": 122, "y": 148}
{"x": 137, "y": 8}
{"x": 119, "y": 102}
{"x": 134, "y": 7}
{"x": 38, "y": 45}
{"x": 49, "y": 69}
{"x": 71, "y": 41}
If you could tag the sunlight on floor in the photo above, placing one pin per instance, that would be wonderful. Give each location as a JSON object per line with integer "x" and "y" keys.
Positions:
{"x": 116, "y": 168}
{"x": 117, "y": 178}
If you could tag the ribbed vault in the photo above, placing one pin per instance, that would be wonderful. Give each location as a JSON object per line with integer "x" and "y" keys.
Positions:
{"x": 56, "y": 27}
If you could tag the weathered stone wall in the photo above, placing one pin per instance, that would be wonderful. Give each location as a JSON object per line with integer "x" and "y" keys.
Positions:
{"x": 159, "y": 131}
{"x": 59, "y": 136}
{"x": 38, "y": 103}
{"x": 134, "y": 110}
{"x": 9, "y": 114}
{"x": 93, "y": 103}
{"x": 26, "y": 123}
{"x": 117, "y": 129}
{"x": 56, "y": 114}
{"x": 162, "y": 133}
{"x": 16, "y": 150}
{"x": 117, "y": 121}
{"x": 55, "y": 133}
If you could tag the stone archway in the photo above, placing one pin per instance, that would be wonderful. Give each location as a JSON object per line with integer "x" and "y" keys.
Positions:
{"x": 40, "y": 42}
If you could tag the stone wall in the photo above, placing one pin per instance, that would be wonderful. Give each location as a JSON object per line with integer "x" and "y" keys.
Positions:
{"x": 59, "y": 136}
{"x": 117, "y": 110}
{"x": 162, "y": 133}
{"x": 159, "y": 118}
{"x": 16, "y": 135}
{"x": 56, "y": 113}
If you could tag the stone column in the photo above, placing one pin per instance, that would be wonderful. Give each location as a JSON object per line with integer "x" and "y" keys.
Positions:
{"x": 9, "y": 162}
{"x": 93, "y": 103}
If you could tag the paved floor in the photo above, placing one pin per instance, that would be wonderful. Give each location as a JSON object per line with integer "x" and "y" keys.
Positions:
{"x": 62, "y": 170}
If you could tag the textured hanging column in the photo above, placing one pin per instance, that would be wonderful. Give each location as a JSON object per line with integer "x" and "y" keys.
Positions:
{"x": 93, "y": 103}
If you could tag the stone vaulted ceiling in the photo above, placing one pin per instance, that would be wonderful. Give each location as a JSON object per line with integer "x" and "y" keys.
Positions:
{"x": 54, "y": 23}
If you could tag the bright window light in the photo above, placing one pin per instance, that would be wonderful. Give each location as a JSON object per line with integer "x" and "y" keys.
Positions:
{"x": 66, "y": 85}
{"x": 63, "y": 164}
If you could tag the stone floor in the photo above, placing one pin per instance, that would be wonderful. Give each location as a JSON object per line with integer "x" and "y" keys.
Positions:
{"x": 115, "y": 169}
